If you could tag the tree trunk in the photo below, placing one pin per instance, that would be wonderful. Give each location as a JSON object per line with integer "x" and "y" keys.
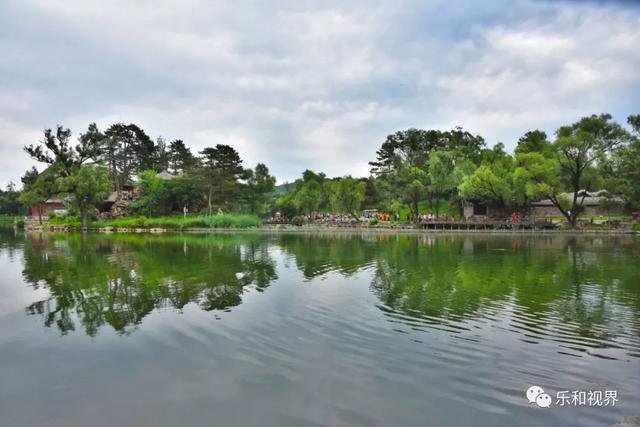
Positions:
{"x": 85, "y": 219}
{"x": 209, "y": 200}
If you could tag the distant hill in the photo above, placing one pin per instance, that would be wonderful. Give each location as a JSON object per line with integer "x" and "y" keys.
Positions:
{"x": 285, "y": 188}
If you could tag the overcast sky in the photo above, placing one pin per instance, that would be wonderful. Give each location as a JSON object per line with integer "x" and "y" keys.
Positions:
{"x": 310, "y": 84}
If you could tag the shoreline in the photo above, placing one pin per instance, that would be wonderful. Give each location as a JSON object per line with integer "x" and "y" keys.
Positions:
{"x": 313, "y": 229}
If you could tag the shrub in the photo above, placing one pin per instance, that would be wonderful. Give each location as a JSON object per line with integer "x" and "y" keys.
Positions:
{"x": 180, "y": 222}
{"x": 297, "y": 220}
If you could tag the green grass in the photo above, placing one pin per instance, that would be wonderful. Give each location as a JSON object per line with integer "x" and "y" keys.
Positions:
{"x": 596, "y": 218}
{"x": 171, "y": 222}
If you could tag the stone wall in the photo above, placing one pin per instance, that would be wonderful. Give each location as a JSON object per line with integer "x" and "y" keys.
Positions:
{"x": 552, "y": 211}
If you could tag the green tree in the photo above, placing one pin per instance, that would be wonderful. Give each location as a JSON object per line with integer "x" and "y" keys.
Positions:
{"x": 56, "y": 151}
{"x": 180, "y": 157}
{"x": 493, "y": 180}
{"x": 222, "y": 170}
{"x": 259, "y": 189}
{"x": 412, "y": 181}
{"x": 533, "y": 142}
{"x": 441, "y": 179}
{"x": 88, "y": 186}
{"x": 569, "y": 166}
{"x": 37, "y": 188}
{"x": 621, "y": 172}
{"x": 311, "y": 194}
{"x": 484, "y": 184}
{"x": 127, "y": 150}
{"x": 10, "y": 201}
{"x": 347, "y": 195}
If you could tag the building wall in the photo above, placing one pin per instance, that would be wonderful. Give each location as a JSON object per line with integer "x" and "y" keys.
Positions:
{"x": 43, "y": 208}
{"x": 552, "y": 211}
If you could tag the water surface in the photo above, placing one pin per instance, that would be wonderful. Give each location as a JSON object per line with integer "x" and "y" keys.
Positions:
{"x": 323, "y": 330}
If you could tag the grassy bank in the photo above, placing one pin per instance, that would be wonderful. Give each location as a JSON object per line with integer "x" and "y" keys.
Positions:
{"x": 169, "y": 222}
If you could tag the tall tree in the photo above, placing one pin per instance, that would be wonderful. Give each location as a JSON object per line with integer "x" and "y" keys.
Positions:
{"x": 569, "y": 165}
{"x": 222, "y": 171}
{"x": 621, "y": 172}
{"x": 127, "y": 150}
{"x": 180, "y": 157}
{"x": 56, "y": 151}
{"x": 441, "y": 179}
{"x": 347, "y": 195}
{"x": 37, "y": 188}
{"x": 533, "y": 142}
{"x": 259, "y": 189}
{"x": 162, "y": 155}
{"x": 88, "y": 186}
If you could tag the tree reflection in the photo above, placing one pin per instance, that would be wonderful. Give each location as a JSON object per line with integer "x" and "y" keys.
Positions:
{"x": 582, "y": 281}
{"x": 585, "y": 283}
{"x": 118, "y": 280}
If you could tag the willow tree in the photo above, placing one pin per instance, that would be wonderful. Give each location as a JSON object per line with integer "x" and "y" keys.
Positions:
{"x": 569, "y": 165}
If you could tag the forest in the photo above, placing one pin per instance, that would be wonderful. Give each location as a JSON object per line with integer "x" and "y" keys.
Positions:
{"x": 415, "y": 171}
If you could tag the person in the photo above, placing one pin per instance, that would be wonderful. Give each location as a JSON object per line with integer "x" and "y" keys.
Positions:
{"x": 184, "y": 211}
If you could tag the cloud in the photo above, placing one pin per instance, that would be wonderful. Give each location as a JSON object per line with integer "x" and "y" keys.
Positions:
{"x": 543, "y": 74}
{"x": 301, "y": 85}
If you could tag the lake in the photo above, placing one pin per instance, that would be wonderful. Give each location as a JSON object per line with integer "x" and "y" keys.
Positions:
{"x": 316, "y": 330}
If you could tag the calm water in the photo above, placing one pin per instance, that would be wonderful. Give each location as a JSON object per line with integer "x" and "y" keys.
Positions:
{"x": 296, "y": 330}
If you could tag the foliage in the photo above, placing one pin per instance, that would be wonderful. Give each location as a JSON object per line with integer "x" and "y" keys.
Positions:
{"x": 162, "y": 196}
{"x": 10, "y": 203}
{"x": 88, "y": 186}
{"x": 221, "y": 172}
{"x": 347, "y": 195}
{"x": 415, "y": 171}
{"x": 570, "y": 165}
{"x": 259, "y": 190}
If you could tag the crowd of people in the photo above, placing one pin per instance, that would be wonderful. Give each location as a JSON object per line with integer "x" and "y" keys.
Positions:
{"x": 373, "y": 215}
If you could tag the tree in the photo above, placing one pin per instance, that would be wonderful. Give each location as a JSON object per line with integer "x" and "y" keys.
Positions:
{"x": 56, "y": 151}
{"x": 311, "y": 193}
{"x": 441, "y": 179}
{"x": 180, "y": 157}
{"x": 621, "y": 172}
{"x": 493, "y": 180}
{"x": 222, "y": 168}
{"x": 10, "y": 201}
{"x": 259, "y": 189}
{"x": 88, "y": 186}
{"x": 127, "y": 150}
{"x": 162, "y": 155}
{"x": 484, "y": 184}
{"x": 37, "y": 188}
{"x": 347, "y": 195}
{"x": 412, "y": 146}
{"x": 533, "y": 142}
{"x": 412, "y": 181}
{"x": 569, "y": 165}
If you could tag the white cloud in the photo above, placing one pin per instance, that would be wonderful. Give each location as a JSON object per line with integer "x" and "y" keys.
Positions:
{"x": 542, "y": 74}
{"x": 305, "y": 85}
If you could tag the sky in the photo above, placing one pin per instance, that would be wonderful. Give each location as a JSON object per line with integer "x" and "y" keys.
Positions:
{"x": 310, "y": 84}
